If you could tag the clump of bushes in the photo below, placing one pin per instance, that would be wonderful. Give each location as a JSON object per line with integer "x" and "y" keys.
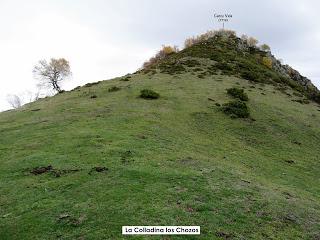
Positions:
{"x": 267, "y": 61}
{"x": 149, "y": 94}
{"x": 302, "y": 101}
{"x": 250, "y": 75}
{"x": 315, "y": 96}
{"x": 91, "y": 84}
{"x": 197, "y": 69}
{"x": 113, "y": 89}
{"x": 265, "y": 47}
{"x": 161, "y": 54}
{"x": 126, "y": 78}
{"x": 209, "y": 34}
{"x": 238, "y": 93}
{"x": 202, "y": 75}
{"x": 171, "y": 68}
{"x": 191, "y": 63}
{"x": 236, "y": 109}
{"x": 224, "y": 66}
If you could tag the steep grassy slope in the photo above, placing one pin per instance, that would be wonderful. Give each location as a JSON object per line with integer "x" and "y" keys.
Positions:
{"x": 177, "y": 160}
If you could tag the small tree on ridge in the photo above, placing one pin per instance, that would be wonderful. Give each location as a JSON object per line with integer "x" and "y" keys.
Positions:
{"x": 52, "y": 73}
{"x": 14, "y": 101}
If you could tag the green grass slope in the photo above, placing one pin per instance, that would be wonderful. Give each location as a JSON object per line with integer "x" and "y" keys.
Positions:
{"x": 175, "y": 160}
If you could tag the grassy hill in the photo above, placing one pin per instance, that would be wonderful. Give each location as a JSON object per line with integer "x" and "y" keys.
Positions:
{"x": 110, "y": 158}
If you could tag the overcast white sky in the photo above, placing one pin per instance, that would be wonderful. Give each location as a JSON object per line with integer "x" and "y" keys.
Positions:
{"x": 104, "y": 39}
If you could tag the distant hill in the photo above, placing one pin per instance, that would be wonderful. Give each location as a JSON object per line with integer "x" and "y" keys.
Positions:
{"x": 224, "y": 137}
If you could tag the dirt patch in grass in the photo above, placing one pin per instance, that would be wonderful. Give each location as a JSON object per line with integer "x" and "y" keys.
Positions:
{"x": 41, "y": 170}
{"x": 224, "y": 235}
{"x": 296, "y": 142}
{"x": 98, "y": 169}
{"x": 60, "y": 172}
{"x": 127, "y": 157}
{"x": 188, "y": 161}
{"x": 67, "y": 219}
{"x": 289, "y": 161}
{"x": 141, "y": 136}
{"x": 49, "y": 169}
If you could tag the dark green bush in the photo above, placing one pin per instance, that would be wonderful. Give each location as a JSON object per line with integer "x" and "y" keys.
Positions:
{"x": 91, "y": 84}
{"x": 197, "y": 69}
{"x": 216, "y": 57}
{"x": 236, "y": 109}
{"x": 126, "y": 78}
{"x": 202, "y": 75}
{"x": 171, "y": 68}
{"x": 149, "y": 94}
{"x": 238, "y": 93}
{"x": 250, "y": 75}
{"x": 113, "y": 89}
{"x": 302, "y": 101}
{"x": 224, "y": 66}
{"x": 315, "y": 96}
{"x": 299, "y": 94}
{"x": 191, "y": 63}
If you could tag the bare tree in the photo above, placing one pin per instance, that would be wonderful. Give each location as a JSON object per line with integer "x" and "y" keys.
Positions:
{"x": 14, "y": 101}
{"x": 244, "y": 37}
{"x": 30, "y": 96}
{"x": 52, "y": 73}
{"x": 252, "y": 42}
{"x": 18, "y": 100}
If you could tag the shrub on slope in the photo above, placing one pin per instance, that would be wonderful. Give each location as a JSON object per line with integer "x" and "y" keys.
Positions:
{"x": 149, "y": 94}
{"x": 238, "y": 93}
{"x": 236, "y": 109}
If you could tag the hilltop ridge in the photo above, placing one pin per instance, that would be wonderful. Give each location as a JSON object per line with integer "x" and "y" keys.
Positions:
{"x": 232, "y": 55}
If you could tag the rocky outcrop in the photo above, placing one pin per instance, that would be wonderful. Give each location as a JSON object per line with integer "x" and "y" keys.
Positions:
{"x": 277, "y": 66}
{"x": 288, "y": 71}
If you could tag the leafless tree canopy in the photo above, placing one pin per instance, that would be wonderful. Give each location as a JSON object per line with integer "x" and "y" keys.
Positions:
{"x": 18, "y": 100}
{"x": 52, "y": 73}
{"x": 14, "y": 101}
{"x": 252, "y": 42}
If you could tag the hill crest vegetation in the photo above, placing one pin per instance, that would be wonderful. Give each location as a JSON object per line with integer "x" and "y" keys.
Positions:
{"x": 233, "y": 56}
